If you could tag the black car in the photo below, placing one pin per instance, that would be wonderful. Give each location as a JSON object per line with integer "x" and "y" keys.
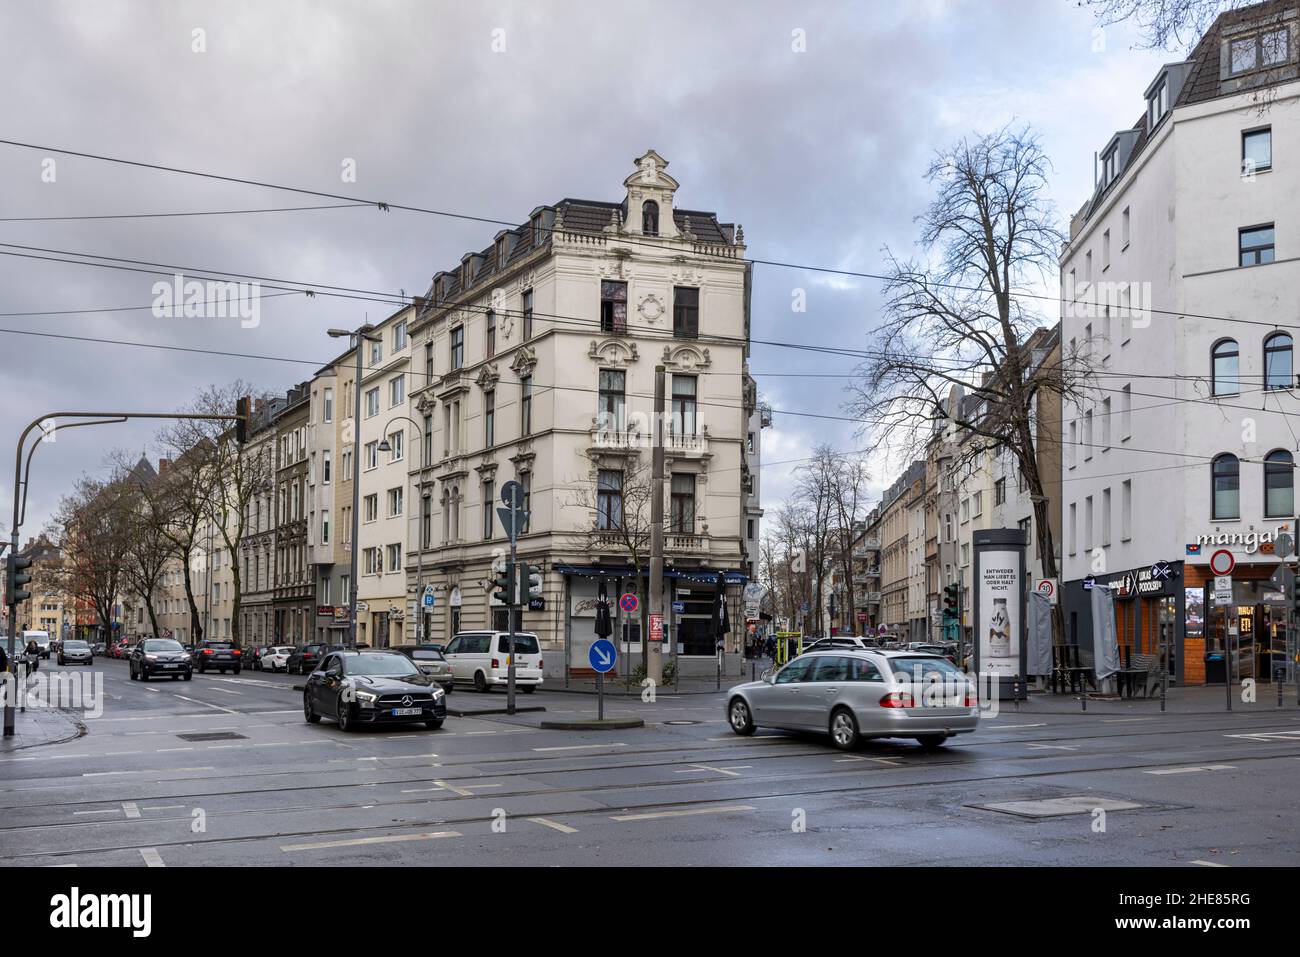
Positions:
{"x": 304, "y": 660}
{"x": 159, "y": 657}
{"x": 222, "y": 656}
{"x": 372, "y": 687}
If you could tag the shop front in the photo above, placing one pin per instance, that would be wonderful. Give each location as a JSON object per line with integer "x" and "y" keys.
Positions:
{"x": 1155, "y": 614}
{"x": 1251, "y": 631}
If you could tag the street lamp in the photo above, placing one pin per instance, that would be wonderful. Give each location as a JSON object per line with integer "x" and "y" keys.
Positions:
{"x": 356, "y": 338}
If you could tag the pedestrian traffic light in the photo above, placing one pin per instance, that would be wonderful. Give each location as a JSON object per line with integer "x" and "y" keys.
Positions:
{"x": 15, "y": 566}
{"x": 530, "y": 582}
{"x": 504, "y": 585}
{"x": 951, "y": 603}
{"x": 242, "y": 405}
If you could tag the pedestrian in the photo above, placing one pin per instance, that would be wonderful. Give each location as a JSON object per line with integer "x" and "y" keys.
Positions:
{"x": 4, "y": 656}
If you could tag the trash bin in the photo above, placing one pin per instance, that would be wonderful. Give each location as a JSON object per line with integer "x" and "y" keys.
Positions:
{"x": 1215, "y": 673}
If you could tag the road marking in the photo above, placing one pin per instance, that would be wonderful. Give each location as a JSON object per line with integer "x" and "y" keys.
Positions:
{"x": 556, "y": 825}
{"x": 426, "y": 836}
{"x": 162, "y": 807}
{"x": 705, "y": 767}
{"x": 1268, "y": 736}
{"x": 1006, "y": 727}
{"x": 151, "y": 857}
{"x": 1052, "y": 747}
{"x": 1202, "y": 767}
{"x": 1123, "y": 720}
{"x": 226, "y": 691}
{"x": 104, "y": 774}
{"x": 702, "y": 810}
{"x": 454, "y": 789}
{"x": 583, "y": 747}
{"x": 161, "y": 750}
{"x": 1209, "y": 864}
{"x": 110, "y": 754}
{"x": 422, "y": 790}
{"x": 130, "y": 809}
{"x": 111, "y": 810}
{"x": 204, "y": 703}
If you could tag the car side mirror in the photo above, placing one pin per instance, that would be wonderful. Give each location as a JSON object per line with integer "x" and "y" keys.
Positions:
{"x": 770, "y": 679}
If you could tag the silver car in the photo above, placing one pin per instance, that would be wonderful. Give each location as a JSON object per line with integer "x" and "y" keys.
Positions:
{"x": 852, "y": 695}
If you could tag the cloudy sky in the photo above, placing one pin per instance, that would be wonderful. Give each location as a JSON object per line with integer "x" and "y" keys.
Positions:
{"x": 819, "y": 154}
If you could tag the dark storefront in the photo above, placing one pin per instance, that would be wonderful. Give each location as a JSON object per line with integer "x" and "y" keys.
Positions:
{"x": 1151, "y": 618}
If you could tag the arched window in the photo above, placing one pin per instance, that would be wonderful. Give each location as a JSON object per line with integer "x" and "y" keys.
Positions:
{"x": 1225, "y": 358}
{"x": 650, "y": 218}
{"x": 1277, "y": 362}
{"x": 1225, "y": 487}
{"x": 1279, "y": 484}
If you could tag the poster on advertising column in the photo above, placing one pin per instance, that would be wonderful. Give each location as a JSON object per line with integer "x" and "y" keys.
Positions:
{"x": 999, "y": 587}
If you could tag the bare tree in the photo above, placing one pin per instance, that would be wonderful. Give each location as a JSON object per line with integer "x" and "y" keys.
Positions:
{"x": 150, "y": 541}
{"x": 955, "y": 320}
{"x": 818, "y": 523}
{"x": 93, "y": 526}
{"x": 1164, "y": 23}
{"x": 181, "y": 494}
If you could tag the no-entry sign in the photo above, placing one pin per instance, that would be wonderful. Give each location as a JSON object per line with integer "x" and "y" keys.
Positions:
{"x": 1222, "y": 562}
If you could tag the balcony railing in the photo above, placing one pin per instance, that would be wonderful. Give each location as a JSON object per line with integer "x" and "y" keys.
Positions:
{"x": 676, "y": 443}
{"x": 682, "y": 542}
{"x": 619, "y": 440}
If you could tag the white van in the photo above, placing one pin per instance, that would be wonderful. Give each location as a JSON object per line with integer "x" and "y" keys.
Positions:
{"x": 481, "y": 658}
{"x": 42, "y": 639}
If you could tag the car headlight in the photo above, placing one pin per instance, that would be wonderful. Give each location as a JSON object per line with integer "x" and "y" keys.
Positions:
{"x": 366, "y": 698}
{"x": 150, "y": 657}
{"x": 185, "y": 657}
{"x": 438, "y": 694}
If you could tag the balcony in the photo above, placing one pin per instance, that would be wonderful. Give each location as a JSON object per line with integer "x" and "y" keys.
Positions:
{"x": 677, "y": 542}
{"x": 619, "y": 441}
{"x": 679, "y": 445}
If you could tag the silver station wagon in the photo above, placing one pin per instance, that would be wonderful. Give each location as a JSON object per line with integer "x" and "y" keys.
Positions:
{"x": 852, "y": 695}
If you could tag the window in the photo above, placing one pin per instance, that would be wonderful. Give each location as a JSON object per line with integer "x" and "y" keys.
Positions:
{"x": 489, "y": 503}
{"x": 1072, "y": 529}
{"x": 1027, "y": 529}
{"x": 1125, "y": 220}
{"x": 1126, "y": 411}
{"x": 396, "y": 391}
{"x": 458, "y": 347}
{"x": 370, "y": 509}
{"x": 977, "y": 505}
{"x": 491, "y": 346}
{"x": 683, "y": 411}
{"x": 428, "y": 362}
{"x": 686, "y": 312}
{"x": 1224, "y": 359}
{"x": 394, "y": 502}
{"x": 749, "y": 528}
{"x": 682, "y": 519}
{"x": 525, "y": 480}
{"x": 1158, "y": 104}
{"x": 949, "y": 528}
{"x": 613, "y": 306}
{"x": 1087, "y": 436}
{"x": 526, "y": 406}
{"x": 1277, "y": 362}
{"x": 327, "y": 468}
{"x": 1279, "y": 484}
{"x": 394, "y": 558}
{"x": 489, "y": 418}
{"x": 999, "y": 491}
{"x": 1225, "y": 481}
{"x": 1256, "y": 245}
{"x": 1105, "y": 250}
{"x": 611, "y": 400}
{"x": 609, "y": 499}
{"x": 1126, "y": 510}
{"x": 372, "y": 455}
{"x": 528, "y": 315}
{"x": 327, "y": 406}
{"x": 965, "y": 510}
{"x": 1269, "y": 48}
{"x": 650, "y": 218}
{"x": 1074, "y": 442}
{"x": 1105, "y": 424}
{"x": 372, "y": 403}
{"x": 399, "y": 336}
{"x": 376, "y": 352}
{"x": 426, "y": 521}
{"x": 1105, "y": 516}
{"x": 397, "y": 446}
{"x": 1256, "y": 150}
{"x": 426, "y": 454}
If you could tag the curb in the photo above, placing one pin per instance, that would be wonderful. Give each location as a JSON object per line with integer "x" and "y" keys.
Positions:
{"x": 79, "y": 730}
{"x": 594, "y": 724}
{"x": 462, "y": 713}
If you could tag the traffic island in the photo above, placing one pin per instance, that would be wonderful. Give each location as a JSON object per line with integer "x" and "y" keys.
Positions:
{"x": 593, "y": 724}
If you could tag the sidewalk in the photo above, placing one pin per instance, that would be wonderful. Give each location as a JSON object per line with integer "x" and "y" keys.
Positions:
{"x": 1209, "y": 699}
{"x": 37, "y": 726}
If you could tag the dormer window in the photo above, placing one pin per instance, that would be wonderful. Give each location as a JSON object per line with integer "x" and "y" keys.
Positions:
{"x": 1260, "y": 50}
{"x": 536, "y": 226}
{"x": 1157, "y": 104}
{"x": 650, "y": 218}
{"x": 1110, "y": 166}
{"x": 502, "y": 253}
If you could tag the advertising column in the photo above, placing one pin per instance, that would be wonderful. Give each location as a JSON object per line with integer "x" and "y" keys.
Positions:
{"x": 999, "y": 609}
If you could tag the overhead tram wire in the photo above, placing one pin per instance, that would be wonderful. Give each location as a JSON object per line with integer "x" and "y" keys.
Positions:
{"x": 385, "y": 206}
{"x": 208, "y": 212}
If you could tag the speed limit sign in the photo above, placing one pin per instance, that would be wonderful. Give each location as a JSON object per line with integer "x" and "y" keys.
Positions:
{"x": 1222, "y": 562}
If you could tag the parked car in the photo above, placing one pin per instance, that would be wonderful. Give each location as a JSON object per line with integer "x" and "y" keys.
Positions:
{"x": 303, "y": 661}
{"x": 839, "y": 641}
{"x": 253, "y": 656}
{"x": 276, "y": 658}
{"x": 852, "y": 695}
{"x": 481, "y": 658}
{"x": 120, "y": 648}
{"x": 42, "y": 639}
{"x": 76, "y": 652}
{"x": 222, "y": 656}
{"x": 99, "y": 648}
{"x": 372, "y": 687}
{"x": 430, "y": 660}
{"x": 160, "y": 658}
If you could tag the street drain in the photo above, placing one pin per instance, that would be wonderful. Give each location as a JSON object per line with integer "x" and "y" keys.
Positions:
{"x": 1055, "y": 807}
{"x": 212, "y": 736}
{"x": 681, "y": 721}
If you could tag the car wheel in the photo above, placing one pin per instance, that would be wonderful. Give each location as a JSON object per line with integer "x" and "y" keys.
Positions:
{"x": 61, "y": 661}
{"x": 929, "y": 742}
{"x": 480, "y": 682}
{"x": 308, "y": 711}
{"x": 131, "y": 671}
{"x": 176, "y": 677}
{"x": 236, "y": 671}
{"x": 189, "y": 676}
{"x": 435, "y": 724}
{"x": 343, "y": 710}
{"x": 739, "y": 717}
{"x": 844, "y": 729}
{"x": 144, "y": 675}
{"x": 202, "y": 670}
{"x": 528, "y": 689}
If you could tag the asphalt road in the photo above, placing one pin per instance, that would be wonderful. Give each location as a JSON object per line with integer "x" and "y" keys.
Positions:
{"x": 139, "y": 789}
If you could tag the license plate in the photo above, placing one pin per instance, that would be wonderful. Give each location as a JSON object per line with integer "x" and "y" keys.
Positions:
{"x": 404, "y": 712}
{"x": 171, "y": 666}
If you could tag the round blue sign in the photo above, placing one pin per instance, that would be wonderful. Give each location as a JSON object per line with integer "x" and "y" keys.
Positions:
{"x": 603, "y": 655}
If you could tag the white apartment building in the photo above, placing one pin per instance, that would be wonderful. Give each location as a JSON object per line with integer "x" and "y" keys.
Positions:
{"x": 539, "y": 356}
{"x": 1179, "y": 285}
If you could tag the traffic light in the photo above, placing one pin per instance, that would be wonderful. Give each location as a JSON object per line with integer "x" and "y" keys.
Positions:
{"x": 504, "y": 585}
{"x": 530, "y": 582}
{"x": 241, "y": 424}
{"x": 15, "y": 566}
{"x": 951, "y": 603}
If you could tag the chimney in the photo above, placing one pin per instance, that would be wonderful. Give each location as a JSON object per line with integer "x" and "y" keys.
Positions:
{"x": 164, "y": 465}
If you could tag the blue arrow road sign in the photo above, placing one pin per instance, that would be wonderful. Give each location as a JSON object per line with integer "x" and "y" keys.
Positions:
{"x": 603, "y": 655}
